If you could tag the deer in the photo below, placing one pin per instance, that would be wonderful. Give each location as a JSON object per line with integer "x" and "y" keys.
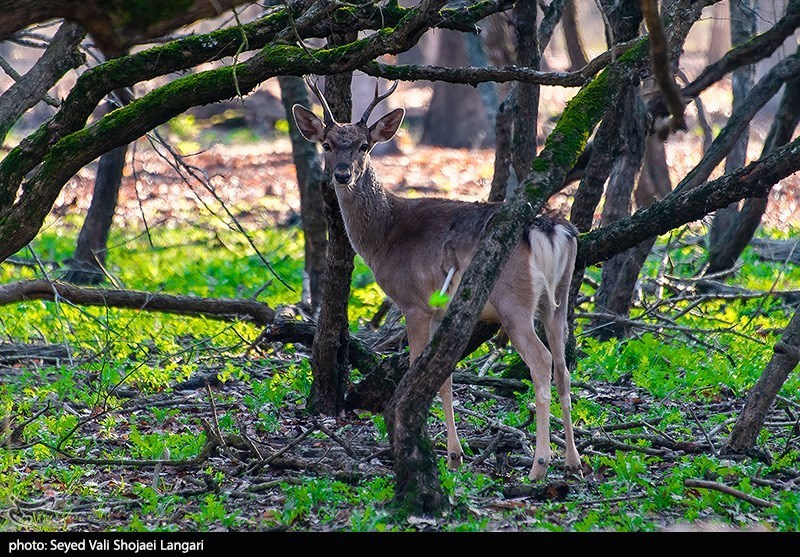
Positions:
{"x": 416, "y": 247}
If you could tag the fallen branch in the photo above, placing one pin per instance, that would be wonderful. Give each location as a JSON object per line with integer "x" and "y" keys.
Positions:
{"x": 226, "y": 309}
{"x": 703, "y": 484}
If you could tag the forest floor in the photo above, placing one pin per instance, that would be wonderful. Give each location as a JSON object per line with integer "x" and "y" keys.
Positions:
{"x": 297, "y": 475}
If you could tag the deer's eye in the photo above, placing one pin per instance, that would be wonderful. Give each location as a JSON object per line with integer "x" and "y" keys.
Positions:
{"x": 364, "y": 148}
{"x": 326, "y": 146}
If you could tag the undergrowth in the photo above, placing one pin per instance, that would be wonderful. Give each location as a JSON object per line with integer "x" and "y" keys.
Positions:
{"x": 80, "y": 429}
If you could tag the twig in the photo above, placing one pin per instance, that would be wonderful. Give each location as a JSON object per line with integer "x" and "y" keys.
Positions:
{"x": 294, "y": 442}
{"x": 704, "y": 484}
{"x": 347, "y": 448}
{"x": 703, "y": 429}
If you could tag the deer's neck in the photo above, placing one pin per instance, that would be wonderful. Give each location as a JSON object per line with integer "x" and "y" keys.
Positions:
{"x": 367, "y": 213}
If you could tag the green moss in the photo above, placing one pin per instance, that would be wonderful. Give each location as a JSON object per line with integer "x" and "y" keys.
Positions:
{"x": 583, "y": 111}
{"x": 575, "y": 126}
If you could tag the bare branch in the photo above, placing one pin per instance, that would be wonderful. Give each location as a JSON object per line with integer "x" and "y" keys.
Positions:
{"x": 662, "y": 67}
{"x": 227, "y": 309}
{"x": 61, "y": 55}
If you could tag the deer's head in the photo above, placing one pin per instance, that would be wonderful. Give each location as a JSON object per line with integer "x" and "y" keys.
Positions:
{"x": 347, "y": 146}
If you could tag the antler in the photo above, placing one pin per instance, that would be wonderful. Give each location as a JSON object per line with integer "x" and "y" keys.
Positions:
{"x": 376, "y": 100}
{"x": 326, "y": 110}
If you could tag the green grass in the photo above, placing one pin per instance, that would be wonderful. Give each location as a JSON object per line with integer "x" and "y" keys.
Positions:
{"x": 80, "y": 407}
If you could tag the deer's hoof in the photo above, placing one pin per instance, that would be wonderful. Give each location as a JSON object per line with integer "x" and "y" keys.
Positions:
{"x": 454, "y": 460}
{"x": 539, "y": 469}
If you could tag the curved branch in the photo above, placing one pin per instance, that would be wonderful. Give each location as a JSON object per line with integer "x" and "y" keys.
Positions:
{"x": 661, "y": 66}
{"x": 61, "y": 55}
{"x": 186, "y": 53}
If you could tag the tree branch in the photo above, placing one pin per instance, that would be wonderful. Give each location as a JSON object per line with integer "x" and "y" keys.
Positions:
{"x": 61, "y": 55}
{"x": 661, "y": 65}
{"x": 21, "y": 220}
{"x": 750, "y": 52}
{"x": 754, "y": 180}
{"x": 226, "y": 309}
{"x": 763, "y": 91}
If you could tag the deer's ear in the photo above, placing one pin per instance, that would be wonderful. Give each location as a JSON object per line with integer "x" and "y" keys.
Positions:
{"x": 385, "y": 128}
{"x": 310, "y": 126}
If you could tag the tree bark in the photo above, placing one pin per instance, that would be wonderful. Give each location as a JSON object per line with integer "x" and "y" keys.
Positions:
{"x": 750, "y": 421}
{"x": 87, "y": 265}
{"x": 526, "y": 115}
{"x": 61, "y": 55}
{"x": 606, "y": 147}
{"x": 227, "y": 309}
{"x": 308, "y": 165}
{"x": 621, "y": 272}
{"x": 329, "y": 363}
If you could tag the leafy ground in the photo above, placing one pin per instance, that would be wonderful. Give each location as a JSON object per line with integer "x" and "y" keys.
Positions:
{"x": 109, "y": 424}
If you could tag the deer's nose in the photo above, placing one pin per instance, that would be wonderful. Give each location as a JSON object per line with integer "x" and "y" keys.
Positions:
{"x": 342, "y": 175}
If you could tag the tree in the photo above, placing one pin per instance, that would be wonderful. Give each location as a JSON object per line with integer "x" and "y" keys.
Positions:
{"x": 33, "y": 173}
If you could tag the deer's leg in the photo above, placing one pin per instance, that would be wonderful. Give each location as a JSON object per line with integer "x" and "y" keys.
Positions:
{"x": 534, "y": 353}
{"x": 555, "y": 326}
{"x": 420, "y": 326}
{"x": 454, "y": 451}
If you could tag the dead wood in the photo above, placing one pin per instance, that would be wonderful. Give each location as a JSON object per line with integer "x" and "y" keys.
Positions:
{"x": 226, "y": 309}
{"x": 14, "y": 352}
{"x": 783, "y": 251}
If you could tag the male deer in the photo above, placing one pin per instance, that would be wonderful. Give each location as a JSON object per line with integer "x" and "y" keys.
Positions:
{"x": 416, "y": 247}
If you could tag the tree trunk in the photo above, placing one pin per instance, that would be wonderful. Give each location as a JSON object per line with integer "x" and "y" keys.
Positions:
{"x": 572, "y": 37}
{"x": 526, "y": 115}
{"x": 719, "y": 37}
{"x": 87, "y": 265}
{"x": 606, "y": 146}
{"x": 620, "y": 273}
{"x": 308, "y": 165}
{"x": 726, "y": 252}
{"x": 329, "y": 364}
{"x": 787, "y": 354}
{"x": 743, "y": 28}
{"x": 456, "y": 116}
